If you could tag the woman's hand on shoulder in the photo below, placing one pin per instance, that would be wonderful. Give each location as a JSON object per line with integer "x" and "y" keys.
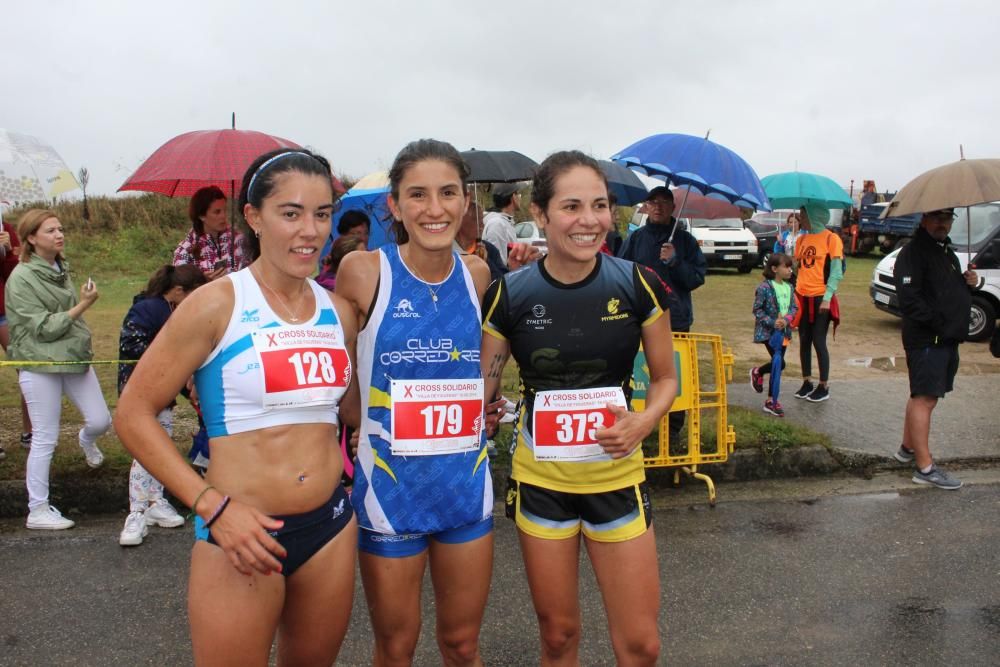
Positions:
{"x": 243, "y": 533}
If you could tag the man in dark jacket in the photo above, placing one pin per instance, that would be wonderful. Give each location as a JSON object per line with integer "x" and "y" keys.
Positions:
{"x": 935, "y": 298}
{"x": 675, "y": 256}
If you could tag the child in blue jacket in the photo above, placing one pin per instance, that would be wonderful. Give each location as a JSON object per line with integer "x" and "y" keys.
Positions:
{"x": 773, "y": 310}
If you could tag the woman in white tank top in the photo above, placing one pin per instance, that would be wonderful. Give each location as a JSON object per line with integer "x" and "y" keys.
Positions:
{"x": 272, "y": 355}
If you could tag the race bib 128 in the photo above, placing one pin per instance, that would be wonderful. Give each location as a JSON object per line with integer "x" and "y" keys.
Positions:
{"x": 301, "y": 366}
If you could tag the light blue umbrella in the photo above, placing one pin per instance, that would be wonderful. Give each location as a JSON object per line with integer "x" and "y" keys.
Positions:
{"x": 793, "y": 189}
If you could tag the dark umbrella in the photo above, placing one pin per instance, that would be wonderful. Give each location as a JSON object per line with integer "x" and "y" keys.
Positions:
{"x": 499, "y": 166}
{"x": 623, "y": 183}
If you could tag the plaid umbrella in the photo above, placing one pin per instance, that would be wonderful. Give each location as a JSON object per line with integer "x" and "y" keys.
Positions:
{"x": 195, "y": 160}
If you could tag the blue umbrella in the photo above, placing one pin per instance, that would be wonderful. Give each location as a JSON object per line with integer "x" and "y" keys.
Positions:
{"x": 623, "y": 183}
{"x": 368, "y": 195}
{"x": 708, "y": 167}
{"x": 776, "y": 343}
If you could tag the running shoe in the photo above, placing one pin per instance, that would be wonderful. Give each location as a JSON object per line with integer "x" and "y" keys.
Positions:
{"x": 26, "y": 440}
{"x": 162, "y": 514}
{"x": 3, "y": 453}
{"x": 819, "y": 394}
{"x": 756, "y": 380}
{"x": 904, "y": 455}
{"x": 773, "y": 408}
{"x": 47, "y": 517}
{"x": 134, "y": 530}
{"x": 94, "y": 456}
{"x": 806, "y": 389}
{"x": 938, "y": 478}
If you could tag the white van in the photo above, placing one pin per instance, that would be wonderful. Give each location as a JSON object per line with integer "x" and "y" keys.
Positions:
{"x": 984, "y": 232}
{"x": 723, "y": 242}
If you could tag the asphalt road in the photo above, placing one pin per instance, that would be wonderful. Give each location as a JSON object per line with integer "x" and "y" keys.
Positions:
{"x": 832, "y": 572}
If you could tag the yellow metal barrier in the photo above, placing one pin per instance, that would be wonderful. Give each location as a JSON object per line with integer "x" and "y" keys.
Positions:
{"x": 694, "y": 394}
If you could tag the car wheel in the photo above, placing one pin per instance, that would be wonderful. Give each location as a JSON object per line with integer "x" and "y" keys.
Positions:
{"x": 900, "y": 243}
{"x": 745, "y": 268}
{"x": 982, "y": 320}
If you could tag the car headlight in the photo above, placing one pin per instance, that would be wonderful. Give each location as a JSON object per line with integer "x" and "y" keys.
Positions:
{"x": 708, "y": 244}
{"x": 753, "y": 244}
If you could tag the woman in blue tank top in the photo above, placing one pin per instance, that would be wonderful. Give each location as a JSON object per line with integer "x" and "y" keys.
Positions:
{"x": 422, "y": 489}
{"x": 271, "y": 355}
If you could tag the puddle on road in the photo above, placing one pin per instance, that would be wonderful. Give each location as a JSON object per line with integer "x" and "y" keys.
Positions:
{"x": 878, "y": 363}
{"x": 778, "y": 527}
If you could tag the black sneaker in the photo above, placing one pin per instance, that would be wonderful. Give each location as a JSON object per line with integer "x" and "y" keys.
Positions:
{"x": 26, "y": 440}
{"x": 821, "y": 393}
{"x": 806, "y": 389}
{"x": 3, "y": 453}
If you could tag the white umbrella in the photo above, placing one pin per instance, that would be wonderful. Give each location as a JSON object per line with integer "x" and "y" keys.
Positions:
{"x": 31, "y": 170}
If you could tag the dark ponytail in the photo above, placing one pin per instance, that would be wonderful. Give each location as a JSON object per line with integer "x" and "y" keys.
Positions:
{"x": 167, "y": 277}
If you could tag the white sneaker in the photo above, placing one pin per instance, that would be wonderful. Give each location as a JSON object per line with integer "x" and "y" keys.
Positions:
{"x": 94, "y": 456}
{"x": 134, "y": 530}
{"x": 162, "y": 514}
{"x": 47, "y": 517}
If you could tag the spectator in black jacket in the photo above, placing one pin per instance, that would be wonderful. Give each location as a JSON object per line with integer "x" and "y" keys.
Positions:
{"x": 935, "y": 298}
{"x": 675, "y": 256}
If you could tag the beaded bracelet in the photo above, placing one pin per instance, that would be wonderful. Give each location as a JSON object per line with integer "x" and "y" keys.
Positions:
{"x": 194, "y": 505}
{"x": 218, "y": 511}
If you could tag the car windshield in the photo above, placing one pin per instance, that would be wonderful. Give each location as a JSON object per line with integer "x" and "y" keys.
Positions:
{"x": 721, "y": 223}
{"x": 975, "y": 229}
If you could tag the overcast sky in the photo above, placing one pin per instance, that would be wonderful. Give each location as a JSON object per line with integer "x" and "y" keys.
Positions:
{"x": 853, "y": 90}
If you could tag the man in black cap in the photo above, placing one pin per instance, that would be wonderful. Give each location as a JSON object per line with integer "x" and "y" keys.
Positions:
{"x": 674, "y": 255}
{"x": 498, "y": 225}
{"x": 936, "y": 300}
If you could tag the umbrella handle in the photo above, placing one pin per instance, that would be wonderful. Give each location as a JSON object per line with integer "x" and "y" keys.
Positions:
{"x": 687, "y": 191}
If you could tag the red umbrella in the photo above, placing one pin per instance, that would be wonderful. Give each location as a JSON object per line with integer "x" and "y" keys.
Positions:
{"x": 195, "y": 160}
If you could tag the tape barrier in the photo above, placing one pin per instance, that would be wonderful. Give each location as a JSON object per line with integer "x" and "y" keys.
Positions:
{"x": 96, "y": 362}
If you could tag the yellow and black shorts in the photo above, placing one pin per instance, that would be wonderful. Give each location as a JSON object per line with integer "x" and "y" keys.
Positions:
{"x": 611, "y": 516}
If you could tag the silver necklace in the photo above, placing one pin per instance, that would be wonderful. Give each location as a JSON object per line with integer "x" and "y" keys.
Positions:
{"x": 431, "y": 290}
{"x": 293, "y": 316}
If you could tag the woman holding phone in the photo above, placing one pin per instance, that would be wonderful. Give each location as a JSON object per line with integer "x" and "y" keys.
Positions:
{"x": 46, "y": 325}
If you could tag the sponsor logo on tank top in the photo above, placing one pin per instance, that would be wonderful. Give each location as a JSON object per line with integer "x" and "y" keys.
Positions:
{"x": 428, "y": 351}
{"x": 404, "y": 309}
{"x": 539, "y": 321}
{"x": 250, "y": 316}
{"x": 613, "y": 313}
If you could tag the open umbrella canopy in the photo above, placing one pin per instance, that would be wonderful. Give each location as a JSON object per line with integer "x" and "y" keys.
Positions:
{"x": 368, "y": 195}
{"x": 710, "y": 168}
{"x": 31, "y": 170}
{"x": 195, "y": 160}
{"x": 962, "y": 183}
{"x": 499, "y": 166}
{"x": 792, "y": 189}
{"x": 623, "y": 183}
{"x": 690, "y": 204}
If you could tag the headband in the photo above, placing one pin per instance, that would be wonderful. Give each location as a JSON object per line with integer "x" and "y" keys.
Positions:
{"x": 267, "y": 163}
